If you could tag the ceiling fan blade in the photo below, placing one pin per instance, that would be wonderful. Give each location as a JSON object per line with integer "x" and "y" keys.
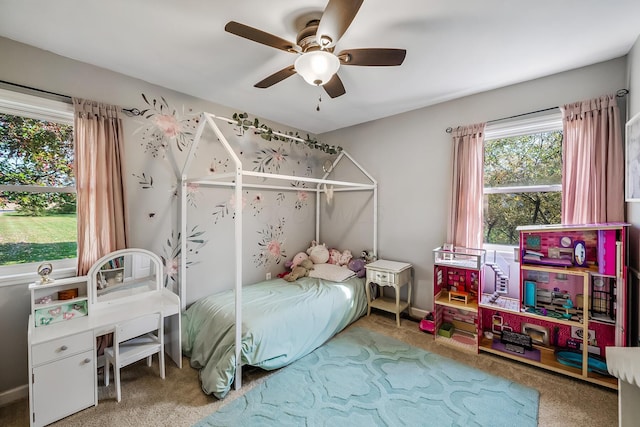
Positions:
{"x": 334, "y": 87}
{"x": 260, "y": 36}
{"x": 335, "y": 20}
{"x": 372, "y": 57}
{"x": 276, "y": 77}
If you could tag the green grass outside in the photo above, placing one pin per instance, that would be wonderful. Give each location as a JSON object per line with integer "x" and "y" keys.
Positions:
{"x": 26, "y": 239}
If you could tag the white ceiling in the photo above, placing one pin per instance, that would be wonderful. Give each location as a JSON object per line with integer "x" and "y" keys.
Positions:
{"x": 454, "y": 48}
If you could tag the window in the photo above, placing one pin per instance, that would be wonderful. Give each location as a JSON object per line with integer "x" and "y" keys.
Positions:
{"x": 37, "y": 186}
{"x": 522, "y": 176}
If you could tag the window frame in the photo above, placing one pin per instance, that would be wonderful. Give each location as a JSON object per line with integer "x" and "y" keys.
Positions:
{"x": 40, "y": 108}
{"x": 543, "y": 121}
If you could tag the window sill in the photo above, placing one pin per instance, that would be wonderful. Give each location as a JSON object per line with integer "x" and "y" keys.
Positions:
{"x": 26, "y": 273}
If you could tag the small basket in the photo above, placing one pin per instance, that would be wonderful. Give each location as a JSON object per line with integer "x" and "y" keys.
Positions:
{"x": 446, "y": 330}
{"x": 68, "y": 294}
{"x": 427, "y": 324}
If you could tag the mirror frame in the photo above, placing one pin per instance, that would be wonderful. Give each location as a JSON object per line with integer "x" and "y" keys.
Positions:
{"x": 92, "y": 274}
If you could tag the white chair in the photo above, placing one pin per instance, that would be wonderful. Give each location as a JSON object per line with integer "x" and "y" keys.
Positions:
{"x": 134, "y": 340}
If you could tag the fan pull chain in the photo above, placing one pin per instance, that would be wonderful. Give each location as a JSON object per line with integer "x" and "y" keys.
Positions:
{"x": 319, "y": 100}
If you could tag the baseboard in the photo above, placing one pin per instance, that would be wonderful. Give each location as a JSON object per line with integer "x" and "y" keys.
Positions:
{"x": 12, "y": 395}
{"x": 418, "y": 313}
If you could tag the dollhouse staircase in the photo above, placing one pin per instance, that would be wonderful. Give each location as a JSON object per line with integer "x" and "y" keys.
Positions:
{"x": 499, "y": 266}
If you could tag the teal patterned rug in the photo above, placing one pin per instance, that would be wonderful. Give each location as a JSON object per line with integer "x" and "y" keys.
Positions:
{"x": 362, "y": 378}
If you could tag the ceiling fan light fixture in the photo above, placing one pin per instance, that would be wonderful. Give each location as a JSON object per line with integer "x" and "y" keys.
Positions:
{"x": 317, "y": 67}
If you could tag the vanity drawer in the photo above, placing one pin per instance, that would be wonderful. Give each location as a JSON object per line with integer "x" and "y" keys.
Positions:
{"x": 62, "y": 347}
{"x": 382, "y": 277}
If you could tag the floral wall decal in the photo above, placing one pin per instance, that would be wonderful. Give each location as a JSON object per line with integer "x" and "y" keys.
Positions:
{"x": 144, "y": 181}
{"x": 271, "y": 245}
{"x": 269, "y": 160}
{"x": 222, "y": 210}
{"x": 218, "y": 166}
{"x": 302, "y": 195}
{"x": 164, "y": 126}
{"x": 163, "y": 133}
{"x": 171, "y": 254}
{"x": 192, "y": 194}
{"x": 256, "y": 204}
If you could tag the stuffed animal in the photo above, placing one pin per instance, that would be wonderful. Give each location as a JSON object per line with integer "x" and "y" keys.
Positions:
{"x": 345, "y": 257}
{"x": 318, "y": 254}
{"x": 369, "y": 256}
{"x": 334, "y": 256}
{"x": 297, "y": 259}
{"x": 301, "y": 270}
{"x": 357, "y": 265}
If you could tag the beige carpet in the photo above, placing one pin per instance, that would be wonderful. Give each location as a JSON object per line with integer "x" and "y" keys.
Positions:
{"x": 178, "y": 400}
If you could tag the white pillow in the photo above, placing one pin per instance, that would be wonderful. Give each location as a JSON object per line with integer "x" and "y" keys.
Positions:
{"x": 331, "y": 272}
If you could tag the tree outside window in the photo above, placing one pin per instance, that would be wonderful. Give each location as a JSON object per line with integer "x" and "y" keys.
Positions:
{"x": 37, "y": 191}
{"x": 522, "y": 184}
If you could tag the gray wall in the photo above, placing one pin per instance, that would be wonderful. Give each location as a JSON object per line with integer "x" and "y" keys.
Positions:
{"x": 410, "y": 156}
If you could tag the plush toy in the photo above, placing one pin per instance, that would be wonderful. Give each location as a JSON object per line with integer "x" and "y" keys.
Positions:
{"x": 345, "y": 257}
{"x": 318, "y": 254}
{"x": 297, "y": 259}
{"x": 369, "y": 256}
{"x": 357, "y": 265}
{"x": 334, "y": 256}
{"x": 301, "y": 270}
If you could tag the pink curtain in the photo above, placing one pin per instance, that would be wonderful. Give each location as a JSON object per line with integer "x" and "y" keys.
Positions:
{"x": 99, "y": 170}
{"x": 465, "y": 219}
{"x": 593, "y": 162}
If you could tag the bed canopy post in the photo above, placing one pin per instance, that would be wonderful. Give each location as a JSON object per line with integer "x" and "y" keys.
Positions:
{"x": 374, "y": 186}
{"x": 238, "y": 247}
{"x": 183, "y": 214}
{"x": 207, "y": 119}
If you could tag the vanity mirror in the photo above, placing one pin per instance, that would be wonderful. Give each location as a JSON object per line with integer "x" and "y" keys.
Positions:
{"x": 123, "y": 274}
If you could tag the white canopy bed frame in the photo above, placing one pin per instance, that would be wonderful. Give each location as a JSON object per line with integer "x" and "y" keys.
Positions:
{"x": 237, "y": 181}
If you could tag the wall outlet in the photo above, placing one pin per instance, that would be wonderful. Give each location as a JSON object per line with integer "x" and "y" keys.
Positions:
{"x": 268, "y": 277}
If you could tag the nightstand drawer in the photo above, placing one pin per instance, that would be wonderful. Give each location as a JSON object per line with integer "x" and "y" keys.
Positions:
{"x": 382, "y": 277}
{"x": 62, "y": 347}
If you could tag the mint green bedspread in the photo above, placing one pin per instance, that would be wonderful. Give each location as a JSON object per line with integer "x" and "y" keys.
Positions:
{"x": 281, "y": 322}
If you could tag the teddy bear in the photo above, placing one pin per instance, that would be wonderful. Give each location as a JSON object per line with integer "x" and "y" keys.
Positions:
{"x": 357, "y": 265}
{"x": 318, "y": 254}
{"x": 300, "y": 270}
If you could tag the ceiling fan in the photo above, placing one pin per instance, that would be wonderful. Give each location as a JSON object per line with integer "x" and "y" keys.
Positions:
{"x": 315, "y": 43}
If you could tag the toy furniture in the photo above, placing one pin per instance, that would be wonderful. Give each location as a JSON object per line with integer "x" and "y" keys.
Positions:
{"x": 572, "y": 300}
{"x": 393, "y": 274}
{"x": 135, "y": 339}
{"x": 458, "y": 273}
{"x": 64, "y": 348}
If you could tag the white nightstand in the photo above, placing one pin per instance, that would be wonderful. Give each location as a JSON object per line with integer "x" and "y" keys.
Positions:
{"x": 393, "y": 274}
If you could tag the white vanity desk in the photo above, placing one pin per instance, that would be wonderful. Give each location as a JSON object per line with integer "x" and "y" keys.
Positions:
{"x": 62, "y": 353}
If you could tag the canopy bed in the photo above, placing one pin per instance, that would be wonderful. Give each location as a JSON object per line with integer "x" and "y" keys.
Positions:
{"x": 268, "y": 334}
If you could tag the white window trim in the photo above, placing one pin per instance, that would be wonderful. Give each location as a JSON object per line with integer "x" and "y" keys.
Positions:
{"x": 22, "y": 104}
{"x": 547, "y": 121}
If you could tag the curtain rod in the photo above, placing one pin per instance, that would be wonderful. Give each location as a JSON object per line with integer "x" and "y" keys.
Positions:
{"x": 66, "y": 98}
{"x": 621, "y": 93}
{"x": 36, "y": 89}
